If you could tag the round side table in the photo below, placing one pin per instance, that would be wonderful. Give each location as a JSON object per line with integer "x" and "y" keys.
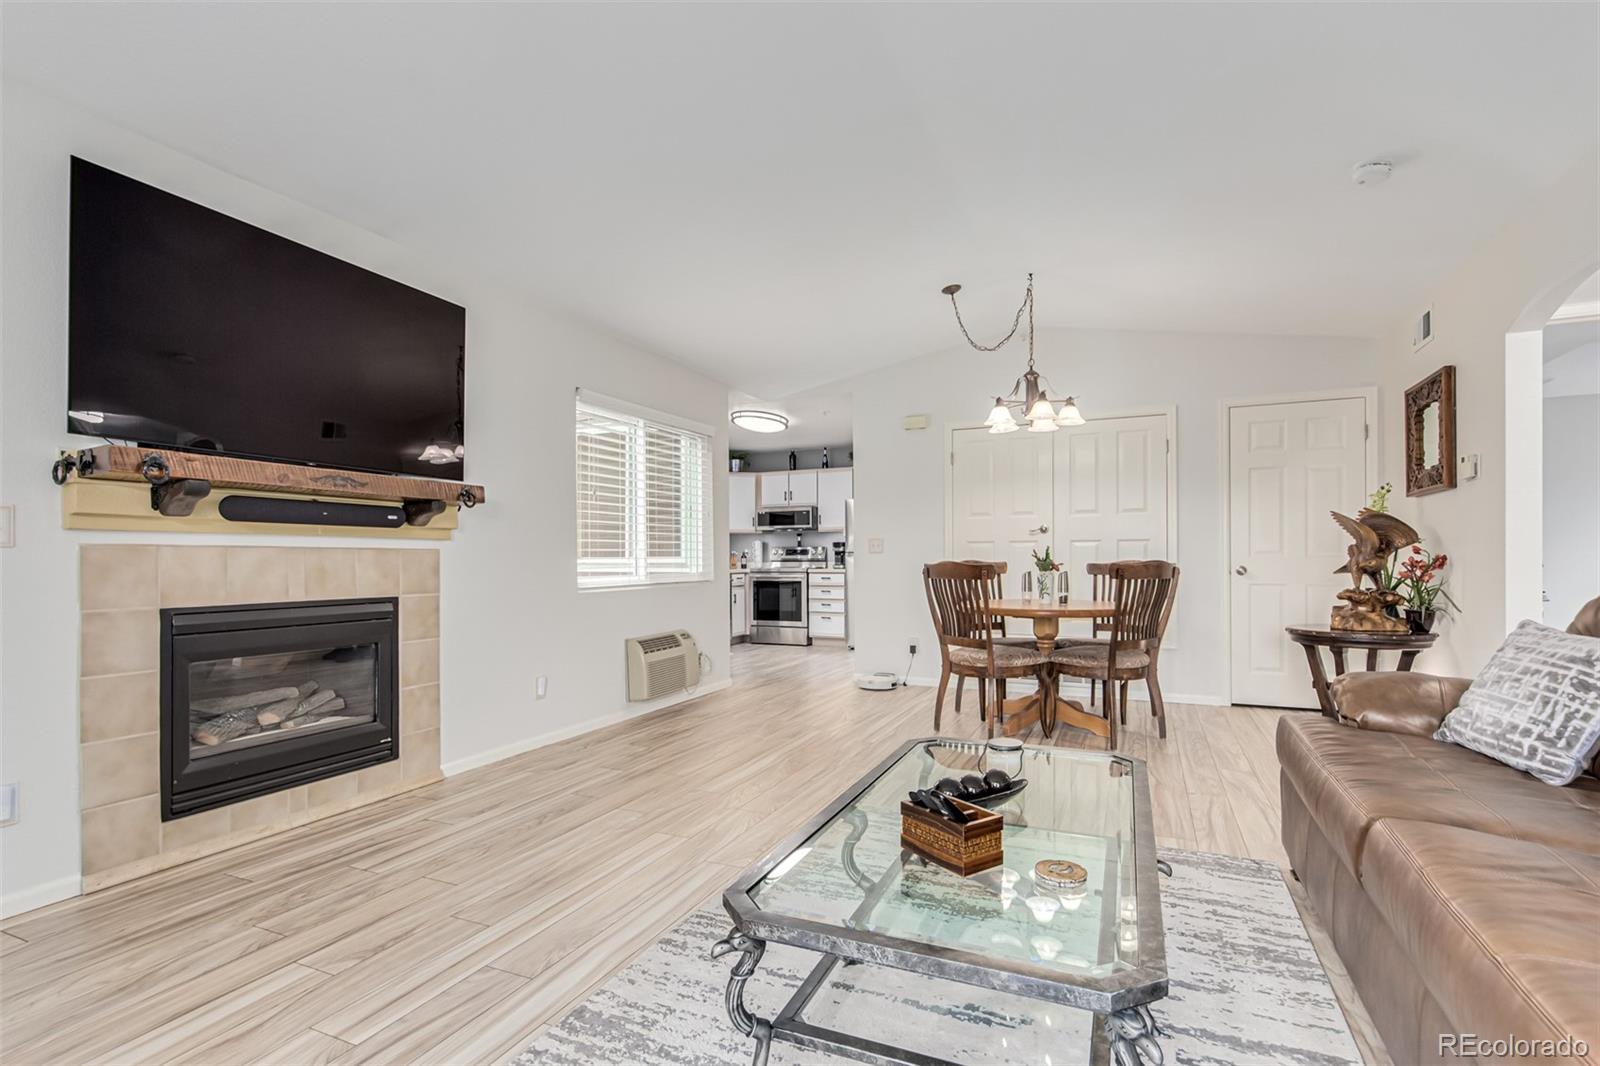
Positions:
{"x": 1338, "y": 641}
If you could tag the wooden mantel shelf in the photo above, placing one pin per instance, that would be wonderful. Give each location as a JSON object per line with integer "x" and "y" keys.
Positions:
{"x": 180, "y": 478}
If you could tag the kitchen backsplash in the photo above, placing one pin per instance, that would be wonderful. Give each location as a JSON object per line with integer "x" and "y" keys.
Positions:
{"x": 739, "y": 542}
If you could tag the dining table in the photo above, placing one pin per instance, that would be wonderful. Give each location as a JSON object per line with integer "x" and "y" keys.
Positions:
{"x": 1046, "y": 707}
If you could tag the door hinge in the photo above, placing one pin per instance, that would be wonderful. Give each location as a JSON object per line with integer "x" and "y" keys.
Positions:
{"x": 1366, "y": 431}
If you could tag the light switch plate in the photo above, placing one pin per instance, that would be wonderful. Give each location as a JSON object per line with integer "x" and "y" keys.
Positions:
{"x": 8, "y": 526}
{"x": 1467, "y": 468}
{"x": 8, "y": 804}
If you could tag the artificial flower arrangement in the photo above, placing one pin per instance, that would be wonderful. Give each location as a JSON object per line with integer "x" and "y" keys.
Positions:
{"x": 1419, "y": 581}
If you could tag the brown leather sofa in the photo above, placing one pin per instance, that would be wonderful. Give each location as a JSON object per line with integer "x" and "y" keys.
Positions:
{"x": 1463, "y": 896}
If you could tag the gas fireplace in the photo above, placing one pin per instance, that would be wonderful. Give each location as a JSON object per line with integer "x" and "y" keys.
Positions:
{"x": 263, "y": 697}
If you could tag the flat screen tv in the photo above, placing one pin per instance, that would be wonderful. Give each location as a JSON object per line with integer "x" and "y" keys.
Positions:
{"x": 190, "y": 329}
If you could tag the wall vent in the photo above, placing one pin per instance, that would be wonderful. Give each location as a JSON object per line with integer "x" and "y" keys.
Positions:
{"x": 661, "y": 664}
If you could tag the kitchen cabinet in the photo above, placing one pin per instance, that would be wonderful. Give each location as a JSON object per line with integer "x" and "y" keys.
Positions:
{"x": 789, "y": 488}
{"x": 834, "y": 487}
{"x": 827, "y": 602}
{"x": 738, "y": 608}
{"x": 774, "y": 489}
{"x": 742, "y": 502}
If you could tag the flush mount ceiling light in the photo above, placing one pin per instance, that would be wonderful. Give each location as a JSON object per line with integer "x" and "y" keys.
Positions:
{"x": 759, "y": 421}
{"x": 1029, "y": 397}
{"x": 1372, "y": 172}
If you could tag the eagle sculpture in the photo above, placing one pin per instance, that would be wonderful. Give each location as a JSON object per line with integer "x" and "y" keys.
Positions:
{"x": 1376, "y": 535}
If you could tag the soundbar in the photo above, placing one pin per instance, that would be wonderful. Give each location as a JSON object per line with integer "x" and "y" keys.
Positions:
{"x": 311, "y": 512}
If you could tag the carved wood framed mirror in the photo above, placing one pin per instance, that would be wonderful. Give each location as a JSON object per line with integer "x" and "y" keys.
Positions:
{"x": 1431, "y": 433}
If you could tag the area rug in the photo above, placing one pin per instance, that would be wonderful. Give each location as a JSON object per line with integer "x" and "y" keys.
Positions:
{"x": 1246, "y": 987}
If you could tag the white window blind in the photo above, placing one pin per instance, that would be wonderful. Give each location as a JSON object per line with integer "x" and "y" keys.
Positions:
{"x": 643, "y": 499}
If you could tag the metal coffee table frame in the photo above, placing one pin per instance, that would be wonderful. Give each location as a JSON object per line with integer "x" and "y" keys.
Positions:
{"x": 1125, "y": 1031}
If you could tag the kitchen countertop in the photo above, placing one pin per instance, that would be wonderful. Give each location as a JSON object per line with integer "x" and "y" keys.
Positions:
{"x": 753, "y": 570}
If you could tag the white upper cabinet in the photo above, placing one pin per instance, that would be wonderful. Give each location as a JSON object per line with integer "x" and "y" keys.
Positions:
{"x": 775, "y": 489}
{"x": 742, "y": 503}
{"x": 802, "y": 488}
{"x": 834, "y": 487}
{"x": 789, "y": 488}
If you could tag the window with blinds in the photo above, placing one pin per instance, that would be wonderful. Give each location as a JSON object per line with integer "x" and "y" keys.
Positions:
{"x": 643, "y": 500}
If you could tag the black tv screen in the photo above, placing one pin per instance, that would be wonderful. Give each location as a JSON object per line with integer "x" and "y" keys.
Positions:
{"x": 190, "y": 329}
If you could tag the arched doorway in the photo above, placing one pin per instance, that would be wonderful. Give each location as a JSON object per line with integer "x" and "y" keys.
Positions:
{"x": 1570, "y": 380}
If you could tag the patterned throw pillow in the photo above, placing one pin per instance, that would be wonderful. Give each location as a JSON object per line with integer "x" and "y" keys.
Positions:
{"x": 1535, "y": 706}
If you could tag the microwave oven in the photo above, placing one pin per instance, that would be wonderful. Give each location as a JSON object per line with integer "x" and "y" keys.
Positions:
{"x": 796, "y": 518}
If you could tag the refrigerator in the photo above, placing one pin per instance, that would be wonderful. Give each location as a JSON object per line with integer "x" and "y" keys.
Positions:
{"x": 849, "y": 573}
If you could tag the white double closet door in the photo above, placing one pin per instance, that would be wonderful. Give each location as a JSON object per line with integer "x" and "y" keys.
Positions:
{"x": 1096, "y": 492}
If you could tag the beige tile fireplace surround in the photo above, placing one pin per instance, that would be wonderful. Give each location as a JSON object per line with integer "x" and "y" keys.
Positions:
{"x": 122, "y": 587}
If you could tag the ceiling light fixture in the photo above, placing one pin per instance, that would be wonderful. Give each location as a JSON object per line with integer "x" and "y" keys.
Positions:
{"x": 1029, "y": 397}
{"x": 759, "y": 421}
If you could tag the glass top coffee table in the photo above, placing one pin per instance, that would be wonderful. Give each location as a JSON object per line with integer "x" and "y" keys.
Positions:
{"x": 843, "y": 886}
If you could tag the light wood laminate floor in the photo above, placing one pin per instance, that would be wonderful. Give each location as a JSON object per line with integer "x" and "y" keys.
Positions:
{"x": 451, "y": 923}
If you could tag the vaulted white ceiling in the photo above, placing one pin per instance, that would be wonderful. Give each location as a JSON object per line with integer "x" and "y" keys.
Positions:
{"x": 775, "y": 193}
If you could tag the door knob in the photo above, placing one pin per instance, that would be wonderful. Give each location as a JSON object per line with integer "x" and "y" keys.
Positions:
{"x": 1041, "y": 529}
{"x": 1241, "y": 571}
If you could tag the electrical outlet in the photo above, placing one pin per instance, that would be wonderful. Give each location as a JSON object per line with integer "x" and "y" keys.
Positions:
{"x": 913, "y": 647}
{"x": 8, "y": 804}
{"x": 541, "y": 687}
{"x": 875, "y": 545}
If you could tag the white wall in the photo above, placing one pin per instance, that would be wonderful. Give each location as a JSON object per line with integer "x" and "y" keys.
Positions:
{"x": 900, "y": 474}
{"x": 1571, "y": 505}
{"x": 1492, "y": 526}
{"x": 510, "y": 608}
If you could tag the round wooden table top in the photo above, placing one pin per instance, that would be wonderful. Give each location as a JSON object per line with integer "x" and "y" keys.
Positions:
{"x": 1326, "y": 635}
{"x": 1017, "y": 607}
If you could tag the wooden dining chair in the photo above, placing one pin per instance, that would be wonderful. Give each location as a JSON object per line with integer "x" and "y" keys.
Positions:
{"x": 958, "y": 599}
{"x": 1142, "y": 594}
{"x": 997, "y": 591}
{"x": 1099, "y": 628}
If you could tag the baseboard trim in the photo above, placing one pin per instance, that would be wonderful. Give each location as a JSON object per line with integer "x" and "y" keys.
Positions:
{"x": 31, "y": 899}
{"x": 540, "y": 740}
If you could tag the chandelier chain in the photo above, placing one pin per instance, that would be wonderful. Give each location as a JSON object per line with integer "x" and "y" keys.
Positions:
{"x": 1016, "y": 324}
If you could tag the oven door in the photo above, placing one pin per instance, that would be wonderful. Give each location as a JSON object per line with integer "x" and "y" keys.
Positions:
{"x": 778, "y": 601}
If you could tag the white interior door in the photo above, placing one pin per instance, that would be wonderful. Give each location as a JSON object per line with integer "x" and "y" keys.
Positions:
{"x": 1289, "y": 464}
{"x": 1000, "y": 500}
{"x": 1111, "y": 498}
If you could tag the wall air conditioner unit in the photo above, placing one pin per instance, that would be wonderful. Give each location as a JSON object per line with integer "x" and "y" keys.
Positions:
{"x": 662, "y": 664}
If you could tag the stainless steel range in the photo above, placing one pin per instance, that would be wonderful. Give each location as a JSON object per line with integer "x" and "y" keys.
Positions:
{"x": 778, "y": 596}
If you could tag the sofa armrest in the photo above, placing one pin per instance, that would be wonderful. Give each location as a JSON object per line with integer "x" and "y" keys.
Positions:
{"x": 1398, "y": 702}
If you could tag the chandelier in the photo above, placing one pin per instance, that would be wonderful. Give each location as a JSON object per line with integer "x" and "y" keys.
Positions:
{"x": 1028, "y": 394}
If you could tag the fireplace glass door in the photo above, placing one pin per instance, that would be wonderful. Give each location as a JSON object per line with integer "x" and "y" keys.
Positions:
{"x": 264, "y": 697}
{"x": 245, "y": 700}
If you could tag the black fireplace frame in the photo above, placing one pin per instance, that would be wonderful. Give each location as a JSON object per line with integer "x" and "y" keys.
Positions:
{"x": 187, "y": 634}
